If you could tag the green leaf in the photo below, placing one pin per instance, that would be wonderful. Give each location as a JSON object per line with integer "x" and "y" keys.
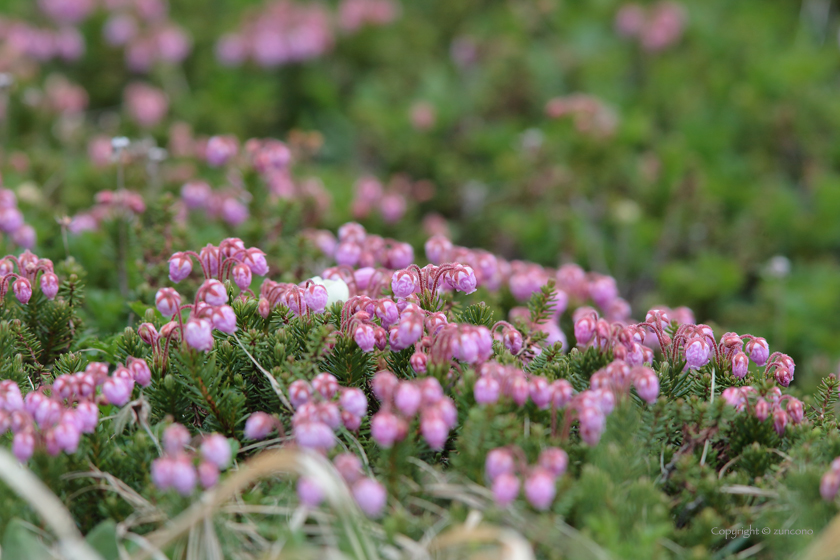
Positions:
{"x": 103, "y": 539}
{"x": 19, "y": 541}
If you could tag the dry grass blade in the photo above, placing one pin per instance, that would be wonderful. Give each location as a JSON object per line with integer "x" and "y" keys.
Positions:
{"x": 29, "y": 487}
{"x": 513, "y": 545}
{"x": 266, "y": 464}
{"x": 274, "y": 384}
{"x": 827, "y": 545}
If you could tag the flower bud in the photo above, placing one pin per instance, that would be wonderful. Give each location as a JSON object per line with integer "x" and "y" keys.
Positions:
{"x": 434, "y": 430}
{"x": 23, "y": 445}
{"x": 365, "y": 337}
{"x": 241, "y": 276}
{"x": 300, "y": 392}
{"x": 518, "y": 389}
{"x": 314, "y": 435}
{"x": 180, "y": 266}
{"x": 762, "y": 410}
{"x": 198, "y": 334}
{"x": 499, "y": 461}
{"x": 780, "y": 420}
{"x": 505, "y": 489}
{"x": 463, "y": 279}
{"x": 647, "y": 384}
{"x": 208, "y": 474}
{"x": 10, "y": 396}
{"x": 354, "y": 401}
{"x": 316, "y": 298}
{"x": 437, "y": 249}
{"x": 386, "y": 428}
{"x": 88, "y": 416}
{"x": 216, "y": 449}
{"x": 795, "y": 410}
{"x": 67, "y": 436}
{"x": 348, "y": 466}
{"x": 404, "y": 283}
{"x": 220, "y": 150}
{"x": 539, "y": 391}
{"x": 512, "y": 339}
{"x": 184, "y": 476}
{"x": 407, "y": 398}
{"x": 585, "y": 330}
{"x": 175, "y": 438}
{"x": 117, "y": 390}
{"x": 213, "y": 292}
{"x": 264, "y": 307}
{"x": 22, "y": 289}
{"x": 370, "y": 495}
{"x": 783, "y": 376}
{"x": 540, "y": 488}
{"x": 740, "y": 365}
{"x": 758, "y": 350}
{"x": 258, "y": 426}
{"x": 554, "y": 460}
{"x": 829, "y": 485}
{"x": 148, "y": 333}
{"x": 697, "y": 353}
{"x": 140, "y": 371}
{"x": 326, "y": 384}
{"x": 383, "y": 384}
{"x": 223, "y": 319}
{"x": 167, "y": 301}
{"x": 309, "y": 492}
{"x": 486, "y": 390}
{"x": 387, "y": 311}
{"x": 49, "y": 285}
{"x": 561, "y": 393}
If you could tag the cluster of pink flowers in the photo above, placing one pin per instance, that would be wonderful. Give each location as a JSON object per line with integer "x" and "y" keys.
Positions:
{"x": 323, "y": 407}
{"x": 355, "y": 247}
{"x": 108, "y": 206}
{"x": 143, "y": 27}
{"x": 12, "y": 221}
{"x": 67, "y": 11}
{"x": 369, "y": 194}
{"x": 176, "y": 468}
{"x": 230, "y": 260}
{"x": 830, "y": 483}
{"x": 57, "y": 415}
{"x": 590, "y": 115}
{"x": 55, "y": 422}
{"x": 63, "y": 96}
{"x": 285, "y": 32}
{"x": 301, "y": 299}
{"x": 22, "y": 41}
{"x": 270, "y": 158}
{"x": 696, "y": 344}
{"x": 281, "y": 32}
{"x": 354, "y": 14}
{"x": 496, "y": 380}
{"x": 771, "y": 404}
{"x": 402, "y": 401}
{"x": 197, "y": 195}
{"x": 29, "y": 266}
{"x": 369, "y": 494}
{"x": 525, "y": 278}
{"x": 503, "y": 464}
{"x": 117, "y": 389}
{"x": 656, "y": 27}
{"x": 146, "y": 104}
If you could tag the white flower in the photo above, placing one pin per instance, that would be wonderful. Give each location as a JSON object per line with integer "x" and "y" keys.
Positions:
{"x": 336, "y": 289}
